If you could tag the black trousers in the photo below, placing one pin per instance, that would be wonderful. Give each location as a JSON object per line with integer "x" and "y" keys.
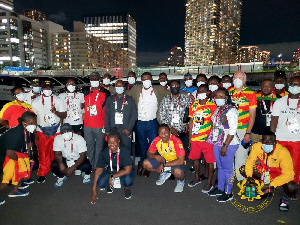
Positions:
{"x": 85, "y": 167}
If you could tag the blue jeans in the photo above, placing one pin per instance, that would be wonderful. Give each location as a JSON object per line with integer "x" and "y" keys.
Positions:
{"x": 126, "y": 181}
{"x": 146, "y": 132}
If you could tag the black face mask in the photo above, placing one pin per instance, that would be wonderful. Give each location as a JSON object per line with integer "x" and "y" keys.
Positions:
{"x": 175, "y": 90}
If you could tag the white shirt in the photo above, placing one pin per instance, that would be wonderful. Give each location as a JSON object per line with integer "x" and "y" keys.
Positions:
{"x": 232, "y": 118}
{"x": 42, "y": 110}
{"x": 73, "y": 102}
{"x": 284, "y": 113}
{"x": 65, "y": 147}
{"x": 147, "y": 106}
{"x": 28, "y": 98}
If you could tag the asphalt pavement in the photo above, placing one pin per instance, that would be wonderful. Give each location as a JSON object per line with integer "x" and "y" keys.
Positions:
{"x": 150, "y": 204}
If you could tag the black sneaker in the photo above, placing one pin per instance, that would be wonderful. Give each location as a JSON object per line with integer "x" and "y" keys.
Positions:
{"x": 41, "y": 179}
{"x": 28, "y": 181}
{"x": 23, "y": 185}
{"x": 215, "y": 192}
{"x": 283, "y": 206}
{"x": 109, "y": 190}
{"x": 225, "y": 197}
{"x": 2, "y": 201}
{"x": 192, "y": 169}
{"x": 127, "y": 193}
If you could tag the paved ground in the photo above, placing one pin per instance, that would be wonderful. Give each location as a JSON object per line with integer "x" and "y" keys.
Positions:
{"x": 150, "y": 204}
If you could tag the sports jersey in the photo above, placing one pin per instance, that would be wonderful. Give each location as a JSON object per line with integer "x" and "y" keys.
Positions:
{"x": 201, "y": 118}
{"x": 170, "y": 151}
{"x": 244, "y": 100}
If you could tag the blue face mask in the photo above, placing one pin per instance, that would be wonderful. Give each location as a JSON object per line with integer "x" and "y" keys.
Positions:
{"x": 220, "y": 102}
{"x": 267, "y": 148}
{"x": 37, "y": 89}
{"x": 120, "y": 90}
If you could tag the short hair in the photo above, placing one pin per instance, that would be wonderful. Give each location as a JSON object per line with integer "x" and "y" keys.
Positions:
{"x": 163, "y": 126}
{"x": 215, "y": 77}
{"x": 202, "y": 75}
{"x": 131, "y": 72}
{"x": 226, "y": 94}
{"x": 15, "y": 88}
{"x": 175, "y": 81}
{"x": 120, "y": 81}
{"x": 245, "y": 76}
{"x": 147, "y": 73}
{"x": 71, "y": 78}
{"x": 163, "y": 73}
{"x": 226, "y": 76}
{"x": 113, "y": 132}
{"x": 26, "y": 115}
{"x": 268, "y": 132}
{"x": 267, "y": 79}
{"x": 95, "y": 73}
{"x": 204, "y": 85}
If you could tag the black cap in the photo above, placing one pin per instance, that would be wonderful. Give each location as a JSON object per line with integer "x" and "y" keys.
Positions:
{"x": 65, "y": 127}
{"x": 35, "y": 81}
{"x": 47, "y": 83}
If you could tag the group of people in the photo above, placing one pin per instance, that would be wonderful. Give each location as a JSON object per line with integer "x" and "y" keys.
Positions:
{"x": 239, "y": 133}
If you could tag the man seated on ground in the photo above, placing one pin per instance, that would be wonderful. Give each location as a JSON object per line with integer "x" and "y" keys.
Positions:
{"x": 170, "y": 157}
{"x": 270, "y": 162}
{"x": 70, "y": 155}
{"x": 114, "y": 167}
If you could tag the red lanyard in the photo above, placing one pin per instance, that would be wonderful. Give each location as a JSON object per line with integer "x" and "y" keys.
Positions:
{"x": 118, "y": 161}
{"x": 288, "y": 103}
{"x": 123, "y": 103}
{"x": 25, "y": 135}
{"x": 265, "y": 106}
{"x": 72, "y": 147}
{"x": 68, "y": 99}
{"x": 43, "y": 101}
{"x": 142, "y": 92}
{"x": 20, "y": 104}
{"x": 161, "y": 148}
{"x": 95, "y": 98}
{"x": 171, "y": 99}
{"x": 127, "y": 87}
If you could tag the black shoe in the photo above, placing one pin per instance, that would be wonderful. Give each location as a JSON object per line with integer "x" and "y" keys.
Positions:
{"x": 41, "y": 179}
{"x": 172, "y": 177}
{"x": 28, "y": 181}
{"x": 215, "y": 192}
{"x": 109, "y": 190}
{"x": 192, "y": 169}
{"x": 23, "y": 185}
{"x": 225, "y": 197}
{"x": 283, "y": 206}
{"x": 127, "y": 193}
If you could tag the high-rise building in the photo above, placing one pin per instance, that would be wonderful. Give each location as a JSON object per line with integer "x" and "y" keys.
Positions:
{"x": 264, "y": 57}
{"x": 176, "y": 57}
{"x": 34, "y": 14}
{"x": 212, "y": 31}
{"x": 116, "y": 29}
{"x": 296, "y": 56}
{"x": 249, "y": 54}
{"x": 7, "y": 4}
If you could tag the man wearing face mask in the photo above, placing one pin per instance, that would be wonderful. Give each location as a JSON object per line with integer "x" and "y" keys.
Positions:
{"x": 200, "y": 79}
{"x": 200, "y": 113}
{"x": 188, "y": 81}
{"x": 11, "y": 111}
{"x": 163, "y": 80}
{"x": 279, "y": 83}
{"x": 93, "y": 123}
{"x": 244, "y": 100}
{"x": 214, "y": 83}
{"x": 35, "y": 92}
{"x": 131, "y": 78}
{"x": 286, "y": 123}
{"x": 226, "y": 81}
{"x": 271, "y": 163}
{"x": 50, "y": 111}
{"x": 75, "y": 104}
{"x": 106, "y": 81}
{"x": 70, "y": 155}
{"x": 121, "y": 112}
{"x": 147, "y": 99}
{"x": 13, "y": 155}
{"x": 172, "y": 110}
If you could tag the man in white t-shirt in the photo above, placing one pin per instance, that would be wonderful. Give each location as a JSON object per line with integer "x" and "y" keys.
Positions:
{"x": 35, "y": 84}
{"x": 50, "y": 110}
{"x": 75, "y": 104}
{"x": 70, "y": 155}
{"x": 286, "y": 123}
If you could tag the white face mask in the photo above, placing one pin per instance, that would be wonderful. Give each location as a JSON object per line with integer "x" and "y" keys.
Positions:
{"x": 67, "y": 136}
{"x": 131, "y": 80}
{"x": 226, "y": 85}
{"x": 279, "y": 86}
{"x": 200, "y": 83}
{"x": 238, "y": 83}
{"x": 37, "y": 89}
{"x": 31, "y": 128}
{"x": 163, "y": 83}
{"x": 188, "y": 83}
{"x": 47, "y": 92}
{"x": 294, "y": 90}
{"x": 95, "y": 83}
{"x": 147, "y": 84}
{"x": 213, "y": 87}
{"x": 106, "y": 81}
{"x": 71, "y": 88}
{"x": 201, "y": 96}
{"x": 21, "y": 97}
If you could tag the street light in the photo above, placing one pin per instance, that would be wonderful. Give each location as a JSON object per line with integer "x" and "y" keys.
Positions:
{"x": 280, "y": 58}
{"x": 82, "y": 69}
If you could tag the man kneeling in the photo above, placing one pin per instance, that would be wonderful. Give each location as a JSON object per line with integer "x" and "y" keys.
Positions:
{"x": 170, "y": 157}
{"x": 70, "y": 155}
{"x": 270, "y": 162}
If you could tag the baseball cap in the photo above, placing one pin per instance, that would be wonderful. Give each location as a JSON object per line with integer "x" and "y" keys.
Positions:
{"x": 66, "y": 127}
{"x": 47, "y": 83}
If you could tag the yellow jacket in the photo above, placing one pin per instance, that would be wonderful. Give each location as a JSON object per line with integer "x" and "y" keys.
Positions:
{"x": 279, "y": 163}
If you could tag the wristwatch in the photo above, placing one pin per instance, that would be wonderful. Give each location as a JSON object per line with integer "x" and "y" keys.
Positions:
{"x": 224, "y": 145}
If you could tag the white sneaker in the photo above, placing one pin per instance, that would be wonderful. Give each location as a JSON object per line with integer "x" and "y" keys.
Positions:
{"x": 60, "y": 182}
{"x": 179, "y": 186}
{"x": 87, "y": 179}
{"x": 77, "y": 172}
{"x": 162, "y": 178}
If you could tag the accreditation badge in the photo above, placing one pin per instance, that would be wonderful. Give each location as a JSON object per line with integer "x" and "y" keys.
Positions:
{"x": 266, "y": 177}
{"x": 293, "y": 125}
{"x": 175, "y": 118}
{"x": 268, "y": 119}
{"x": 118, "y": 118}
{"x": 93, "y": 110}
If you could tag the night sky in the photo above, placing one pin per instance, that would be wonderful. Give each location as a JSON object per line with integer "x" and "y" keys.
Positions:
{"x": 160, "y": 23}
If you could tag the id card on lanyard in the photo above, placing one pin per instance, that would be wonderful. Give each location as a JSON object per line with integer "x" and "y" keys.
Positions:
{"x": 292, "y": 123}
{"x": 72, "y": 112}
{"x": 175, "y": 115}
{"x": 267, "y": 113}
{"x": 119, "y": 115}
{"x": 117, "y": 183}
{"x": 93, "y": 108}
{"x": 144, "y": 106}
{"x": 50, "y": 117}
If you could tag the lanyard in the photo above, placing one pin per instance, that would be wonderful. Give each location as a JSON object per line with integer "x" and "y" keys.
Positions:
{"x": 264, "y": 104}
{"x": 171, "y": 99}
{"x": 288, "y": 104}
{"x": 118, "y": 161}
{"x": 237, "y": 98}
{"x": 25, "y": 135}
{"x": 72, "y": 146}
{"x": 43, "y": 100}
{"x": 95, "y": 98}
{"x": 20, "y": 104}
{"x": 68, "y": 100}
{"x": 123, "y": 103}
{"x": 161, "y": 148}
